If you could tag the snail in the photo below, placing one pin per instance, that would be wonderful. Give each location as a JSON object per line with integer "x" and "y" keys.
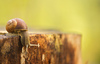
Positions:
{"x": 18, "y": 26}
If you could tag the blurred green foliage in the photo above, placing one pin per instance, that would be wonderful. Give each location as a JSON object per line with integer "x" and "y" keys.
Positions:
{"x": 79, "y": 16}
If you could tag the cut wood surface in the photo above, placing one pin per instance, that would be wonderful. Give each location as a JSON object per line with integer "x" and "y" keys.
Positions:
{"x": 55, "y": 48}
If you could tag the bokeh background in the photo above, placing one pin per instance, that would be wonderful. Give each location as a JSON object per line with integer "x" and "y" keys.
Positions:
{"x": 75, "y": 16}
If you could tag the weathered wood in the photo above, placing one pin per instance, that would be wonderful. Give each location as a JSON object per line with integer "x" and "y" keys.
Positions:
{"x": 54, "y": 49}
{"x": 10, "y": 50}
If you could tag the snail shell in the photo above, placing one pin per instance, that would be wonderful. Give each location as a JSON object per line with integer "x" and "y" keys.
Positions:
{"x": 15, "y": 25}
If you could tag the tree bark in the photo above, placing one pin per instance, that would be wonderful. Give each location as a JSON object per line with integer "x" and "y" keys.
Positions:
{"x": 55, "y": 48}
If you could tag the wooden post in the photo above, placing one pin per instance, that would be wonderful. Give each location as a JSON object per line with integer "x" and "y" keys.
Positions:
{"x": 55, "y": 48}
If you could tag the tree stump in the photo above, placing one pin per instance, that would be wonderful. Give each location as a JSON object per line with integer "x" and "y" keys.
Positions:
{"x": 55, "y": 48}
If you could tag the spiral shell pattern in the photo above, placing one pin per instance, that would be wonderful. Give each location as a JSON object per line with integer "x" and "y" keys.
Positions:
{"x": 15, "y": 24}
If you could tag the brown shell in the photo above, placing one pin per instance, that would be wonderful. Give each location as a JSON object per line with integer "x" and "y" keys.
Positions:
{"x": 16, "y": 24}
{"x": 20, "y": 24}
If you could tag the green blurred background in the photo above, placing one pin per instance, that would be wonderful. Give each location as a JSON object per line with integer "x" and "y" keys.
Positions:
{"x": 75, "y": 16}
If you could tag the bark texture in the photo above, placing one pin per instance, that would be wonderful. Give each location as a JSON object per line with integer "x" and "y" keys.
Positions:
{"x": 54, "y": 49}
